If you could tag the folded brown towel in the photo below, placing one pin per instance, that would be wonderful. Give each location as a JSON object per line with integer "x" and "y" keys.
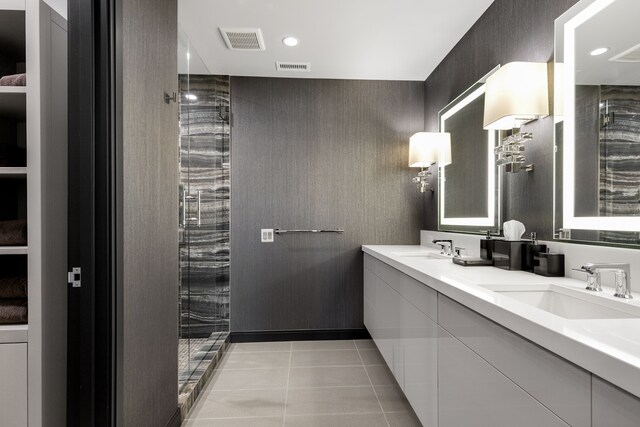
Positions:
{"x": 13, "y": 233}
{"x": 13, "y": 286}
{"x": 13, "y": 311}
{"x": 14, "y": 80}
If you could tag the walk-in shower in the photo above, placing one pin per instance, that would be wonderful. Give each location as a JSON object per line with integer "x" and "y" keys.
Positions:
{"x": 204, "y": 194}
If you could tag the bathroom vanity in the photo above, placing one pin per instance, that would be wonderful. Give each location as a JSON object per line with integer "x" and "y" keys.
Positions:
{"x": 486, "y": 347}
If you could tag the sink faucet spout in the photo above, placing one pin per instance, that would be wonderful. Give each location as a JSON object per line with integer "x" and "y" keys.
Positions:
{"x": 622, "y": 272}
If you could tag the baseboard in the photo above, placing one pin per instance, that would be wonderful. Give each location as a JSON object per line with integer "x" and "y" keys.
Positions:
{"x": 300, "y": 335}
{"x": 175, "y": 420}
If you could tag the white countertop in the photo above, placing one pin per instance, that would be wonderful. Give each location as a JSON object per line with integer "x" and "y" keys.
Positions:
{"x": 610, "y": 348}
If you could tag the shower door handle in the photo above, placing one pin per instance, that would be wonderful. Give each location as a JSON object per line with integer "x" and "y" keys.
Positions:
{"x": 199, "y": 204}
{"x": 184, "y": 208}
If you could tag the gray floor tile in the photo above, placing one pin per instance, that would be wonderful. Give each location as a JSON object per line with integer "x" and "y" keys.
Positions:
{"x": 236, "y": 422}
{"x": 403, "y": 419}
{"x": 267, "y": 359}
{"x": 328, "y": 377}
{"x": 365, "y": 344}
{"x": 249, "y": 347}
{"x": 371, "y": 357}
{"x": 341, "y": 400}
{"x": 351, "y": 420}
{"x": 380, "y": 375}
{"x": 238, "y": 379}
{"x": 392, "y": 399}
{"x": 239, "y": 404}
{"x": 324, "y": 345}
{"x": 328, "y": 385}
{"x": 325, "y": 358}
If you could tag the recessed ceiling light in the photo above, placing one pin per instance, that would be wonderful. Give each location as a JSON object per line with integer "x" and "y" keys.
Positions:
{"x": 599, "y": 51}
{"x": 290, "y": 41}
{"x": 191, "y": 97}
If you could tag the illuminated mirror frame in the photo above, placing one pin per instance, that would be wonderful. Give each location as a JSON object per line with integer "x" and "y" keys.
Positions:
{"x": 566, "y": 90}
{"x": 491, "y": 221}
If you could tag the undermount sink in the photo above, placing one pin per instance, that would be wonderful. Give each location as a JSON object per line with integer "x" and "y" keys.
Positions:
{"x": 568, "y": 303}
{"x": 432, "y": 255}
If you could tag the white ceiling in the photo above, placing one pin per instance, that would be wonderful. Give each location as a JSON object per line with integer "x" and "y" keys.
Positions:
{"x": 616, "y": 27}
{"x": 342, "y": 39}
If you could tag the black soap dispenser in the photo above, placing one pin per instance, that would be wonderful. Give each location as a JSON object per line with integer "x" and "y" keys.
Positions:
{"x": 548, "y": 264}
{"x": 486, "y": 247}
{"x": 531, "y": 249}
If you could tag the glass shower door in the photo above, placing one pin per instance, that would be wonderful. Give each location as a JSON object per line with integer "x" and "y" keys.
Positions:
{"x": 204, "y": 218}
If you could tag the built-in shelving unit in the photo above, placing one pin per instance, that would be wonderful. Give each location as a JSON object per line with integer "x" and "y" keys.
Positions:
{"x": 33, "y": 188}
{"x": 12, "y": 90}
{"x": 13, "y": 333}
{"x": 13, "y": 250}
{"x": 13, "y": 172}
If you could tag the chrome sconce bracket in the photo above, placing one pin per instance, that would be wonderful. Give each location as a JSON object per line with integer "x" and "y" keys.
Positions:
{"x": 421, "y": 181}
{"x": 510, "y": 152}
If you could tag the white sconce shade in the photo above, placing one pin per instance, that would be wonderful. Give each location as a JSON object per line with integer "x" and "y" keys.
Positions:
{"x": 427, "y": 148}
{"x": 558, "y": 94}
{"x": 517, "y": 93}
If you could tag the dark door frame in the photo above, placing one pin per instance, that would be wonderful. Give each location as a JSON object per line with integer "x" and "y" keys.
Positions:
{"x": 95, "y": 221}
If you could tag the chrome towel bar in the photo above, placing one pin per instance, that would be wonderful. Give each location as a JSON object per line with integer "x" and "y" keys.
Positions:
{"x": 279, "y": 231}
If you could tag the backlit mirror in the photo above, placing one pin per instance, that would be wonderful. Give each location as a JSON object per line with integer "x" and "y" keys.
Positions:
{"x": 597, "y": 111}
{"x": 469, "y": 188}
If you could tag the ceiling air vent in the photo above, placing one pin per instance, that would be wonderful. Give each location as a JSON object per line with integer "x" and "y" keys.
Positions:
{"x": 293, "y": 66}
{"x": 243, "y": 38}
{"x": 629, "y": 55}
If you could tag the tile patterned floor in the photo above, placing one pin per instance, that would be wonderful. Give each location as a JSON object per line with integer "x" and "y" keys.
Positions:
{"x": 199, "y": 368}
{"x": 302, "y": 383}
{"x": 185, "y": 347}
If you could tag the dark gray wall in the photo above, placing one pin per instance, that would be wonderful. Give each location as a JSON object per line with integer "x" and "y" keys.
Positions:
{"x": 510, "y": 30}
{"x": 150, "y": 213}
{"x": 316, "y": 154}
{"x": 587, "y": 158}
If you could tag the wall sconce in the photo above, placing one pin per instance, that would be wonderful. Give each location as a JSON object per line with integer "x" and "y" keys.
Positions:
{"x": 516, "y": 94}
{"x": 425, "y": 149}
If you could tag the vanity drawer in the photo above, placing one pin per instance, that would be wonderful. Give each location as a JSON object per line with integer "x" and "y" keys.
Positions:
{"x": 613, "y": 406}
{"x": 558, "y": 384}
{"x": 471, "y": 392}
{"x": 420, "y": 295}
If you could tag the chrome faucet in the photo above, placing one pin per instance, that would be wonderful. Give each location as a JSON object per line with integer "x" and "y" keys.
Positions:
{"x": 622, "y": 274}
{"x": 448, "y": 244}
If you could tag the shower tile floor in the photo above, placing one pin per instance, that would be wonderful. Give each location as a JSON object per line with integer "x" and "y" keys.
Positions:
{"x": 183, "y": 350}
{"x": 196, "y": 366}
{"x": 302, "y": 383}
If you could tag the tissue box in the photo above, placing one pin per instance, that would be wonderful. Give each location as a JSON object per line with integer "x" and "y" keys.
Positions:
{"x": 549, "y": 265}
{"x": 508, "y": 254}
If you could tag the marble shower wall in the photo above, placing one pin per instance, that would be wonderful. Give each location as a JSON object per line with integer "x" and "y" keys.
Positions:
{"x": 620, "y": 159}
{"x": 204, "y": 170}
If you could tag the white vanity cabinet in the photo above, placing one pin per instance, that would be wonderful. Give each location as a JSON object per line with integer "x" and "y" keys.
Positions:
{"x": 13, "y": 385}
{"x": 458, "y": 368}
{"x": 405, "y": 332}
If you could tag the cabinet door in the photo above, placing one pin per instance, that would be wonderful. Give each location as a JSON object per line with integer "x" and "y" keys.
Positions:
{"x": 405, "y": 336}
{"x": 473, "y": 393}
{"x": 13, "y": 385}
{"x": 419, "y": 336}
{"x": 378, "y": 309}
{"x": 612, "y": 406}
